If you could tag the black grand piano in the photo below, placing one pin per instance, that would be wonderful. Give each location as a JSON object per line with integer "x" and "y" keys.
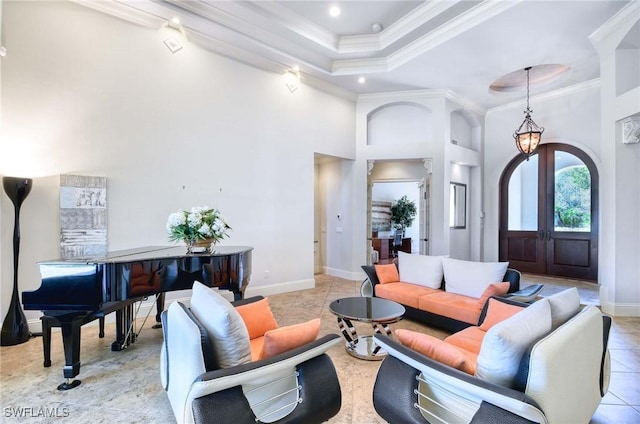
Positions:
{"x": 76, "y": 291}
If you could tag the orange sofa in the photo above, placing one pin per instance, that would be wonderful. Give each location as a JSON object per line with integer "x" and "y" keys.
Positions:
{"x": 436, "y": 304}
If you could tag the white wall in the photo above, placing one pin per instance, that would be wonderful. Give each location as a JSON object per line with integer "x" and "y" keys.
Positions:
{"x": 89, "y": 94}
{"x": 619, "y": 255}
{"x": 460, "y": 238}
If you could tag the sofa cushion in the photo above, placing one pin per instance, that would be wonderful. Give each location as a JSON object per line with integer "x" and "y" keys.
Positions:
{"x": 387, "y": 273}
{"x": 469, "y": 339}
{"x": 564, "y": 305}
{"x": 404, "y": 293}
{"x": 289, "y": 337}
{"x": 257, "y": 345}
{"x": 494, "y": 289}
{"x": 258, "y": 318}
{"x": 451, "y": 305}
{"x": 435, "y": 349}
{"x": 496, "y": 312}
{"x": 420, "y": 269}
{"x": 227, "y": 332}
{"x": 471, "y": 278}
{"x": 505, "y": 343}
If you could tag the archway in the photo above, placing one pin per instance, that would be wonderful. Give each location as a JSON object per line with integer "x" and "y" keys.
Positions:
{"x": 549, "y": 213}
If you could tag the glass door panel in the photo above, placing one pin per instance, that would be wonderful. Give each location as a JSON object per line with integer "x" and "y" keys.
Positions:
{"x": 572, "y": 194}
{"x": 523, "y": 197}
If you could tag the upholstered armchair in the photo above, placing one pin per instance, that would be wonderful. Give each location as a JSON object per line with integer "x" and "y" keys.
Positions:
{"x": 213, "y": 371}
{"x": 560, "y": 377}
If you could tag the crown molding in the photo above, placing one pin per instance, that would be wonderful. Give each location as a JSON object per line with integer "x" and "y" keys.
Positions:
{"x": 445, "y": 32}
{"x": 398, "y": 30}
{"x": 625, "y": 18}
{"x": 550, "y": 95}
{"x": 124, "y": 12}
{"x": 403, "y": 96}
{"x": 466, "y": 104}
{"x": 298, "y": 24}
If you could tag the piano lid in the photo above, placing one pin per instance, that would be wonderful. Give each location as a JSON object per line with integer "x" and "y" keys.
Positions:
{"x": 150, "y": 253}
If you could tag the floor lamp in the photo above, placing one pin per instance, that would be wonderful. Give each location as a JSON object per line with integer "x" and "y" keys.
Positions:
{"x": 15, "y": 329}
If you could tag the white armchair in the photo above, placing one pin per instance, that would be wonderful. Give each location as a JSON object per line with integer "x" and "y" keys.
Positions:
{"x": 300, "y": 385}
{"x": 561, "y": 379}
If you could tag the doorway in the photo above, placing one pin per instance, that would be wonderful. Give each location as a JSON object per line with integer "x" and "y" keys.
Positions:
{"x": 383, "y": 195}
{"x": 549, "y": 213}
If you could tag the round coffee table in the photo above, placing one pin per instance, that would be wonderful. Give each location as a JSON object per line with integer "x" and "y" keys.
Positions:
{"x": 379, "y": 312}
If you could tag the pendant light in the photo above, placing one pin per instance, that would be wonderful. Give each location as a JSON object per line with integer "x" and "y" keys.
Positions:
{"x": 528, "y": 135}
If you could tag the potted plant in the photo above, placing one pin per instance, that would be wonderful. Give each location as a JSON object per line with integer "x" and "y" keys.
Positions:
{"x": 198, "y": 228}
{"x": 403, "y": 212}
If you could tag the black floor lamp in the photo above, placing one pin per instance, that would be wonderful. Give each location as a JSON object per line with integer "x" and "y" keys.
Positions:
{"x": 15, "y": 329}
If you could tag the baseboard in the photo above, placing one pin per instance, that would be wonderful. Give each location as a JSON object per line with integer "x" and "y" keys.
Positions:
{"x": 279, "y": 288}
{"x": 617, "y": 309}
{"x": 621, "y": 309}
{"x": 347, "y": 275}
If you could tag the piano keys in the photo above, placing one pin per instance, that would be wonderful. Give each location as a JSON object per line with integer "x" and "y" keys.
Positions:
{"x": 76, "y": 291}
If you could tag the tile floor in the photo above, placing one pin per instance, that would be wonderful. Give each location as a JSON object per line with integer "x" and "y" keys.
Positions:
{"x": 124, "y": 387}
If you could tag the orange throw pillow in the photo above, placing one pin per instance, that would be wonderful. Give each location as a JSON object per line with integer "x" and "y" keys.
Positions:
{"x": 258, "y": 318}
{"x": 286, "y": 338}
{"x": 496, "y": 312}
{"x": 387, "y": 273}
{"x": 495, "y": 289}
{"x": 435, "y": 349}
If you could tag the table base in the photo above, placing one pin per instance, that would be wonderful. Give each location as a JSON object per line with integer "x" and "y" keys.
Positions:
{"x": 363, "y": 347}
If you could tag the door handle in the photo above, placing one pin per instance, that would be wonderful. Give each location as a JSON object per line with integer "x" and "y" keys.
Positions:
{"x": 541, "y": 235}
{"x": 548, "y": 235}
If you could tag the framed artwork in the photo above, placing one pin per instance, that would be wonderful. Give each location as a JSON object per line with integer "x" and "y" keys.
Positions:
{"x": 83, "y": 216}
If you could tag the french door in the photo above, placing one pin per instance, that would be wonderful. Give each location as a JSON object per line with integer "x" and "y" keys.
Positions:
{"x": 549, "y": 213}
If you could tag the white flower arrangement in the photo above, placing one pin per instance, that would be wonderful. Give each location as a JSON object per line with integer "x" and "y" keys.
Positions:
{"x": 200, "y": 223}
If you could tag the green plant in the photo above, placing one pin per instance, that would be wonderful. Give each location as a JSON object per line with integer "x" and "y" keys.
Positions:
{"x": 403, "y": 212}
{"x": 573, "y": 198}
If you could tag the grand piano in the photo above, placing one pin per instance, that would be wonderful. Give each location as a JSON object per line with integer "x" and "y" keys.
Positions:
{"x": 76, "y": 291}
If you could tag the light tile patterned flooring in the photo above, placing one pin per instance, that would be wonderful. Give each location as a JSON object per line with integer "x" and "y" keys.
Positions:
{"x": 124, "y": 387}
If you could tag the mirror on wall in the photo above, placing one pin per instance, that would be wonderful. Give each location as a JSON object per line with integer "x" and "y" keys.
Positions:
{"x": 458, "y": 206}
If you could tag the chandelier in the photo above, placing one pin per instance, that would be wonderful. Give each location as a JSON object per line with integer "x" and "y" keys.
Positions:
{"x": 528, "y": 135}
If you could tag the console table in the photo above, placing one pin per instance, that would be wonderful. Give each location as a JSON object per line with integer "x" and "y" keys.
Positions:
{"x": 384, "y": 246}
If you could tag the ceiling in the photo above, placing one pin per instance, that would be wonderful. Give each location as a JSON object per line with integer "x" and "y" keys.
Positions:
{"x": 462, "y": 46}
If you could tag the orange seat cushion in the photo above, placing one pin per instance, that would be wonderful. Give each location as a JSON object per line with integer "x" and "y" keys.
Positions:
{"x": 387, "y": 273}
{"x": 286, "y": 338}
{"x": 404, "y": 293}
{"x": 496, "y": 312}
{"x": 451, "y": 305}
{"x": 469, "y": 339}
{"x": 435, "y": 349}
{"x": 495, "y": 289}
{"x": 257, "y": 345}
{"x": 258, "y": 318}
{"x": 472, "y": 360}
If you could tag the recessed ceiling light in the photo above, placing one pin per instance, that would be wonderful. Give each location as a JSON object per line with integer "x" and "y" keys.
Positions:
{"x": 334, "y": 11}
{"x": 361, "y": 80}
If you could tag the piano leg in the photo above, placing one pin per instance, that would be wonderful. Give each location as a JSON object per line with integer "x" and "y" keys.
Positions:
{"x": 124, "y": 328}
{"x": 101, "y": 325}
{"x": 46, "y": 339}
{"x": 159, "y": 309}
{"x": 71, "y": 341}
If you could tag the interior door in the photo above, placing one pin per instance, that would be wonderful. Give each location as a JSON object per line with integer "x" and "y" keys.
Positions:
{"x": 549, "y": 213}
